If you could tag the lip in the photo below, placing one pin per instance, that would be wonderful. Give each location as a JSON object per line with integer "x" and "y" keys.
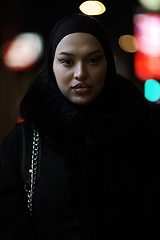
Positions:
{"x": 81, "y": 85}
{"x": 82, "y": 88}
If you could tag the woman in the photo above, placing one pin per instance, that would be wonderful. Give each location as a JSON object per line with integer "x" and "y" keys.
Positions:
{"x": 92, "y": 123}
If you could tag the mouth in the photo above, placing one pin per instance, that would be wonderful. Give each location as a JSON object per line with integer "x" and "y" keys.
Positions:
{"x": 82, "y": 88}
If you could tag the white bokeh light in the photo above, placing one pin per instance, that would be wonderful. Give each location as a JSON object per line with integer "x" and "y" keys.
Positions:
{"x": 23, "y": 51}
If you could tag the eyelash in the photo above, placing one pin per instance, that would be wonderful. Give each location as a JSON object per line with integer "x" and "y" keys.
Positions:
{"x": 70, "y": 62}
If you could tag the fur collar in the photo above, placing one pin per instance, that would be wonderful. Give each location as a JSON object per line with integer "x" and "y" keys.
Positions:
{"x": 115, "y": 115}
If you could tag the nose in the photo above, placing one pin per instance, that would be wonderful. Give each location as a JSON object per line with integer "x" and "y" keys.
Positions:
{"x": 80, "y": 72}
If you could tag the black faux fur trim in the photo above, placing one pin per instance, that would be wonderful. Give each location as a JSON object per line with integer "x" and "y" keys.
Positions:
{"x": 116, "y": 115}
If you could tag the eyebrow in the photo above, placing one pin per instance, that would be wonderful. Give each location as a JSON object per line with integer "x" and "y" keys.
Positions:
{"x": 69, "y": 54}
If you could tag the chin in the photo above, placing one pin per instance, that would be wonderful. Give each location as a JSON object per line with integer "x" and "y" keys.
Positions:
{"x": 81, "y": 101}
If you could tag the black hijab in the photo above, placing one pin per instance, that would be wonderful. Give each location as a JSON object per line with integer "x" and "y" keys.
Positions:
{"x": 79, "y": 23}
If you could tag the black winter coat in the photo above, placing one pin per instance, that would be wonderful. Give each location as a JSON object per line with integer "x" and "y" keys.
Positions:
{"x": 95, "y": 168}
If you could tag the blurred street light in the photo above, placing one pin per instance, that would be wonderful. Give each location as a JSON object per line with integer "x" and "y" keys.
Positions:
{"x": 92, "y": 8}
{"x": 23, "y": 51}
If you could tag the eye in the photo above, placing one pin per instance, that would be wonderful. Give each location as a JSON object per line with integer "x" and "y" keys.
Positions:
{"x": 94, "y": 61}
{"x": 66, "y": 62}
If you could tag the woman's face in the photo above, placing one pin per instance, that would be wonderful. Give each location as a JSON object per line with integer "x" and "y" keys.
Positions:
{"x": 80, "y": 67}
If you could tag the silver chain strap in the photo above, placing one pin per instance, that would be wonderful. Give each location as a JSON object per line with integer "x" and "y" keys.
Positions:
{"x": 33, "y": 169}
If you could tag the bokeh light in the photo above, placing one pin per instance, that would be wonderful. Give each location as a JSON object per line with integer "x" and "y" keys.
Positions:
{"x": 147, "y": 57}
{"x": 92, "y": 8}
{"x": 146, "y": 67}
{"x": 153, "y": 5}
{"x": 152, "y": 90}
{"x": 23, "y": 51}
{"x": 128, "y": 43}
{"x": 147, "y": 33}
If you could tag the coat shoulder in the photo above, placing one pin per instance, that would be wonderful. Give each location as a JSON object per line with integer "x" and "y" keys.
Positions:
{"x": 10, "y": 144}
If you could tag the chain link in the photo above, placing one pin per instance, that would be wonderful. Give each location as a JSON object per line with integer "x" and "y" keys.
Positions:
{"x": 33, "y": 170}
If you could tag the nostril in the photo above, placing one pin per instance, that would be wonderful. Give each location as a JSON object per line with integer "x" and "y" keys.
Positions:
{"x": 80, "y": 78}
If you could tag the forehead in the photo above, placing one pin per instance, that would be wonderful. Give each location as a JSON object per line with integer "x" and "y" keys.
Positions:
{"x": 79, "y": 41}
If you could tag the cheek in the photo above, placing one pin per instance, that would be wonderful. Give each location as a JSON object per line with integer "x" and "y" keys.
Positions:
{"x": 99, "y": 76}
{"x": 59, "y": 75}
{"x": 62, "y": 79}
{"x": 57, "y": 72}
